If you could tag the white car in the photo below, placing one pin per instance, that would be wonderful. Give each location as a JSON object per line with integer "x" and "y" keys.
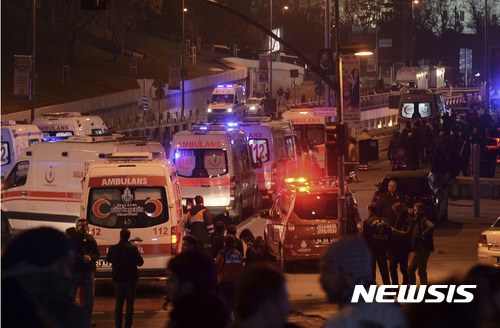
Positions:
{"x": 255, "y": 106}
{"x": 488, "y": 250}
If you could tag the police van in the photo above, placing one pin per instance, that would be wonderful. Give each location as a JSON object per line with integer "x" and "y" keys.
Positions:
{"x": 134, "y": 191}
{"x": 227, "y": 102}
{"x": 214, "y": 161}
{"x": 44, "y": 187}
{"x": 15, "y": 139}
{"x": 310, "y": 132}
{"x": 64, "y": 125}
{"x": 268, "y": 145}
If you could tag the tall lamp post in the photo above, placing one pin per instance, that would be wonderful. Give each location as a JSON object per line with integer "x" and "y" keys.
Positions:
{"x": 486, "y": 57}
{"x": 271, "y": 57}
{"x": 33, "y": 70}
{"x": 183, "y": 59}
{"x": 412, "y": 36}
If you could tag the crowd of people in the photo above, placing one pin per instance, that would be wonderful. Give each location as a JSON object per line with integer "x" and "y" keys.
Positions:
{"x": 447, "y": 148}
{"x": 216, "y": 282}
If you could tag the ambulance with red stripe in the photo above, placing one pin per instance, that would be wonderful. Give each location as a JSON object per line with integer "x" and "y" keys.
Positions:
{"x": 44, "y": 187}
{"x": 15, "y": 139}
{"x": 214, "y": 161}
{"x": 67, "y": 124}
{"x": 310, "y": 132}
{"x": 134, "y": 191}
{"x": 269, "y": 142}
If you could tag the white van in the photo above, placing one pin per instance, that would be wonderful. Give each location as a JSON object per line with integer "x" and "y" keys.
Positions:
{"x": 134, "y": 191}
{"x": 64, "y": 125}
{"x": 214, "y": 161}
{"x": 44, "y": 187}
{"x": 15, "y": 139}
{"x": 310, "y": 132}
{"x": 227, "y": 102}
{"x": 268, "y": 146}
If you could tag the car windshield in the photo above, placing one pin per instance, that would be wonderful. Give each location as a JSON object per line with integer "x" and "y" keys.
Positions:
{"x": 316, "y": 206}
{"x": 409, "y": 186}
{"x": 200, "y": 163}
{"x": 127, "y": 207}
{"x": 222, "y": 98}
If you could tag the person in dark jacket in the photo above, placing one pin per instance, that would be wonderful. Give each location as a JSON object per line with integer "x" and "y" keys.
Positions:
{"x": 86, "y": 255}
{"x": 231, "y": 230}
{"x": 395, "y": 146}
{"x": 420, "y": 231}
{"x": 229, "y": 264}
{"x": 386, "y": 200}
{"x": 256, "y": 247}
{"x": 37, "y": 284}
{"x": 192, "y": 289}
{"x": 401, "y": 249}
{"x": 378, "y": 235}
{"x": 412, "y": 149}
{"x": 352, "y": 219}
{"x": 200, "y": 222}
{"x": 124, "y": 258}
{"x": 216, "y": 240}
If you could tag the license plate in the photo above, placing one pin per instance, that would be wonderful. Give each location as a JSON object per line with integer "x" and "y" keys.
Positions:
{"x": 103, "y": 263}
{"x": 324, "y": 241}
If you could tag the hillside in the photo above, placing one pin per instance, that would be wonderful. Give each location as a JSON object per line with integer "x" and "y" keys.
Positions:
{"x": 94, "y": 72}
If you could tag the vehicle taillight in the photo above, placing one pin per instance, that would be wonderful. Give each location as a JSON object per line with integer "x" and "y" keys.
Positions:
{"x": 175, "y": 239}
{"x": 483, "y": 242}
{"x": 232, "y": 186}
{"x": 289, "y": 234}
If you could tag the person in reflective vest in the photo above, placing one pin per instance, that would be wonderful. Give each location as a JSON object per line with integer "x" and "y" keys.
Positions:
{"x": 199, "y": 222}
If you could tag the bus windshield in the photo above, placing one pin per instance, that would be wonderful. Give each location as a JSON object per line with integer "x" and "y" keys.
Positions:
{"x": 310, "y": 134}
{"x": 200, "y": 163}
{"x": 127, "y": 207}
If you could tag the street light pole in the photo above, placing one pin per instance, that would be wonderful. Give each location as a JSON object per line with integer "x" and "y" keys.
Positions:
{"x": 412, "y": 36}
{"x": 183, "y": 50}
{"x": 338, "y": 98}
{"x": 328, "y": 102}
{"x": 33, "y": 70}
{"x": 271, "y": 58}
{"x": 486, "y": 57}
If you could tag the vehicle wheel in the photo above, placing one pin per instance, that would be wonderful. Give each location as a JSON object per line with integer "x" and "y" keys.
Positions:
{"x": 237, "y": 218}
{"x": 286, "y": 266}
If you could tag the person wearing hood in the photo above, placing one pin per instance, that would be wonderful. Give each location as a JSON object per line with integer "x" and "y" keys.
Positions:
{"x": 37, "y": 284}
{"x": 344, "y": 265}
{"x": 199, "y": 222}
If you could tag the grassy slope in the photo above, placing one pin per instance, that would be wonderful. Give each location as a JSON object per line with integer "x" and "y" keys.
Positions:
{"x": 94, "y": 73}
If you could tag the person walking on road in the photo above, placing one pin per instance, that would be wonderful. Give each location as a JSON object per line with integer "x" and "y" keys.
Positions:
{"x": 86, "y": 255}
{"x": 401, "y": 250}
{"x": 378, "y": 235}
{"x": 124, "y": 258}
{"x": 200, "y": 223}
{"x": 344, "y": 265}
{"x": 229, "y": 264}
{"x": 386, "y": 200}
{"x": 420, "y": 231}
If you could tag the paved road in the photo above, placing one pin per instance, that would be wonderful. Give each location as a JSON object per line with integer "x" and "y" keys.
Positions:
{"x": 455, "y": 242}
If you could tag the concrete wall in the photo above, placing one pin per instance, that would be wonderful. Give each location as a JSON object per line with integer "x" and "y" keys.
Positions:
{"x": 281, "y": 74}
{"x": 121, "y": 110}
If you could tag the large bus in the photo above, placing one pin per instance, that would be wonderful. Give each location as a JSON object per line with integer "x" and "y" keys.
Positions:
{"x": 310, "y": 132}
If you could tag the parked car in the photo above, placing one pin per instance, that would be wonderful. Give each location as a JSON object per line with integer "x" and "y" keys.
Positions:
{"x": 302, "y": 221}
{"x": 255, "y": 106}
{"x": 488, "y": 250}
{"x": 419, "y": 186}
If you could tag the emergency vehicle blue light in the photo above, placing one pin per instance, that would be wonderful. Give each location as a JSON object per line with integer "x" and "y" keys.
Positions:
{"x": 229, "y": 85}
{"x": 177, "y": 154}
{"x": 220, "y": 86}
{"x": 232, "y": 124}
{"x": 203, "y": 127}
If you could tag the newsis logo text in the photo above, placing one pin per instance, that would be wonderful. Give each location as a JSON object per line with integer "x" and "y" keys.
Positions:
{"x": 414, "y": 294}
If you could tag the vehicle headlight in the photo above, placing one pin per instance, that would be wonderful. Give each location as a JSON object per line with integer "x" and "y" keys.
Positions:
{"x": 209, "y": 110}
{"x": 230, "y": 109}
{"x": 252, "y": 108}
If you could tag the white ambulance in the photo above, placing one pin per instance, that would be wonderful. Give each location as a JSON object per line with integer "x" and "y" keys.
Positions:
{"x": 64, "y": 125}
{"x": 310, "y": 132}
{"x": 15, "y": 139}
{"x": 134, "y": 191}
{"x": 44, "y": 187}
{"x": 214, "y": 161}
{"x": 268, "y": 146}
{"x": 227, "y": 102}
